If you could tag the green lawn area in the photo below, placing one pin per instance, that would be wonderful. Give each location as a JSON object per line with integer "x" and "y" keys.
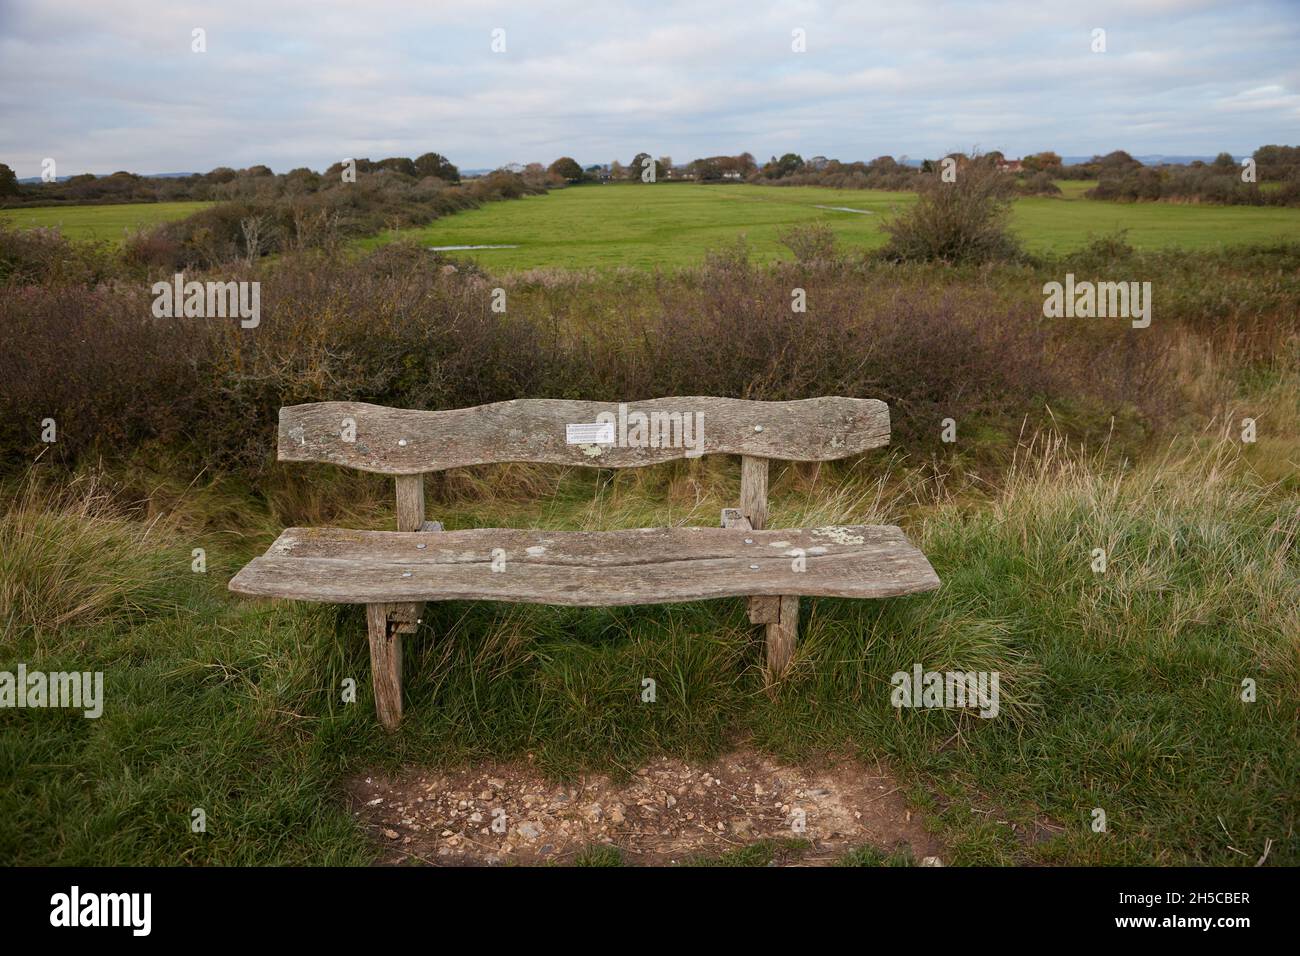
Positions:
{"x": 107, "y": 222}
{"x": 1074, "y": 188}
{"x": 668, "y": 225}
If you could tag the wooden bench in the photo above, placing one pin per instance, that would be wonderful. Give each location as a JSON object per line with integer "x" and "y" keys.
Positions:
{"x": 394, "y": 573}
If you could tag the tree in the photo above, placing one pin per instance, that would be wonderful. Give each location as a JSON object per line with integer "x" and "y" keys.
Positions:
{"x": 8, "y": 181}
{"x": 535, "y": 175}
{"x": 1224, "y": 163}
{"x": 437, "y": 165}
{"x": 398, "y": 164}
{"x": 1116, "y": 163}
{"x": 567, "y": 168}
{"x": 1277, "y": 162}
{"x": 640, "y": 163}
{"x": 785, "y": 166}
{"x": 790, "y": 163}
{"x": 1044, "y": 162}
{"x": 706, "y": 170}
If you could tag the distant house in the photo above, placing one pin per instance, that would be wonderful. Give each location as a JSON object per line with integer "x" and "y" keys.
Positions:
{"x": 1010, "y": 166}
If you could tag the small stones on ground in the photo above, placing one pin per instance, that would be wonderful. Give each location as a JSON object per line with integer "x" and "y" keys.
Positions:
{"x": 666, "y": 811}
{"x": 528, "y": 831}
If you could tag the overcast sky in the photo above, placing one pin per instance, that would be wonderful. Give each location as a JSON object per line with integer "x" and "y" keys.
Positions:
{"x": 101, "y": 85}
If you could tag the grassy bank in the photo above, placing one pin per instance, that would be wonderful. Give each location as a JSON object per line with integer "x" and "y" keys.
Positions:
{"x": 1119, "y": 690}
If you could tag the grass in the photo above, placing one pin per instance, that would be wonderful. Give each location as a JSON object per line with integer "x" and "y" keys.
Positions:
{"x": 675, "y": 224}
{"x": 1119, "y": 691}
{"x": 72, "y": 561}
{"x": 100, "y": 222}
{"x": 1074, "y": 188}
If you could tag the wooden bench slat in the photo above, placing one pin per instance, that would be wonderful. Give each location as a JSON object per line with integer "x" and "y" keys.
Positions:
{"x": 404, "y": 442}
{"x": 586, "y": 568}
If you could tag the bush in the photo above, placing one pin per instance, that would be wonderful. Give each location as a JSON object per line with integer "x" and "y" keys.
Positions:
{"x": 254, "y": 225}
{"x": 1198, "y": 183}
{"x": 45, "y": 255}
{"x": 966, "y": 220}
{"x": 394, "y": 328}
{"x": 811, "y": 243}
{"x": 1039, "y": 184}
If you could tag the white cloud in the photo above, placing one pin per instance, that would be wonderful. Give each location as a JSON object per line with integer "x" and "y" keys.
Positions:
{"x": 104, "y": 87}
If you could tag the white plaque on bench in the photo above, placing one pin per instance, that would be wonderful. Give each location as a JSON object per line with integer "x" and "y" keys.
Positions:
{"x": 589, "y": 433}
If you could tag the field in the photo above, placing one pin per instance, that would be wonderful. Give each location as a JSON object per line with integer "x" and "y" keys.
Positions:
{"x": 675, "y": 224}
{"x": 1122, "y": 689}
{"x": 105, "y": 222}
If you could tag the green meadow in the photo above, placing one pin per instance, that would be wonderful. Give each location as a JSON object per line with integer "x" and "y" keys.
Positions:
{"x": 675, "y": 224}
{"x": 103, "y": 222}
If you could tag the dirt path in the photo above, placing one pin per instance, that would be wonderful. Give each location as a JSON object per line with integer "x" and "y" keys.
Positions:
{"x": 668, "y": 813}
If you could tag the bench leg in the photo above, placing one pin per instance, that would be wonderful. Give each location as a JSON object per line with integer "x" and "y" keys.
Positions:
{"x": 385, "y": 664}
{"x": 781, "y": 636}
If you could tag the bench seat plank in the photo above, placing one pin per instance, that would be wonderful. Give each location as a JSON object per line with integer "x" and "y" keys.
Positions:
{"x": 586, "y": 568}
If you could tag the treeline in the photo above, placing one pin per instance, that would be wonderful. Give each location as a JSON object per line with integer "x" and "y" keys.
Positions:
{"x": 257, "y": 213}
{"x": 885, "y": 172}
{"x": 221, "y": 184}
{"x": 1270, "y": 178}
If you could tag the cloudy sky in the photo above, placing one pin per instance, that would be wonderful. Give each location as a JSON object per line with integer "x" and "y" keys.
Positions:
{"x": 101, "y": 86}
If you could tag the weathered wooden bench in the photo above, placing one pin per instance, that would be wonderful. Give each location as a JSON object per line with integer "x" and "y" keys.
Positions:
{"x": 394, "y": 573}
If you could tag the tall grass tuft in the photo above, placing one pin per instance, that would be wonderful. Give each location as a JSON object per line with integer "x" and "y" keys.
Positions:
{"x": 68, "y": 556}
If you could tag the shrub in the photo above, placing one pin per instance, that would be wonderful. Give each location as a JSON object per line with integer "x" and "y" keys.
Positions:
{"x": 1039, "y": 184}
{"x": 395, "y": 328}
{"x": 966, "y": 220}
{"x": 1103, "y": 251}
{"x": 97, "y": 362}
{"x": 811, "y": 243}
{"x": 45, "y": 255}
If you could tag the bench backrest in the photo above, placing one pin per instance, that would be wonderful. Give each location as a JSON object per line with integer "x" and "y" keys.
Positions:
{"x": 406, "y": 444}
{"x": 395, "y": 441}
